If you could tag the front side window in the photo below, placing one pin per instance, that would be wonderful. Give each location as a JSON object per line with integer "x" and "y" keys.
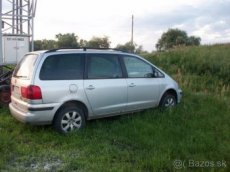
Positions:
{"x": 103, "y": 66}
{"x": 62, "y": 67}
{"x": 137, "y": 68}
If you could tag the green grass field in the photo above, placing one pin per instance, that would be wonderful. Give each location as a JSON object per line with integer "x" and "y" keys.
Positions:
{"x": 194, "y": 136}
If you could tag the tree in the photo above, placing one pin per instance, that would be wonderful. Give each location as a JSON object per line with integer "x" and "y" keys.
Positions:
{"x": 192, "y": 40}
{"x": 174, "y": 38}
{"x": 127, "y": 47}
{"x": 37, "y": 45}
{"x": 68, "y": 40}
{"x": 131, "y": 48}
{"x": 83, "y": 43}
{"x": 45, "y": 44}
{"x": 97, "y": 42}
{"x": 139, "y": 50}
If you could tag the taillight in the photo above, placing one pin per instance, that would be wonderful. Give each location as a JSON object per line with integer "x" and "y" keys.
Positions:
{"x": 32, "y": 92}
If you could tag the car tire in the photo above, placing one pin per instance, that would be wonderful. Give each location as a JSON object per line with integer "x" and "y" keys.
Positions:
{"x": 168, "y": 100}
{"x": 69, "y": 119}
{"x": 5, "y": 95}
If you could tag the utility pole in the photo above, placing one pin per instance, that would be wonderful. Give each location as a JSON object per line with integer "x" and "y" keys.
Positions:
{"x": 132, "y": 31}
{"x": 1, "y": 55}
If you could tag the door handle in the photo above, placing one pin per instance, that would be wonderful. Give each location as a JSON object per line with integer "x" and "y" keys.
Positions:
{"x": 90, "y": 87}
{"x": 132, "y": 85}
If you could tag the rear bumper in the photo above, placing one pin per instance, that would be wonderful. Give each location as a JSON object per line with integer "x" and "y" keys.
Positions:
{"x": 33, "y": 115}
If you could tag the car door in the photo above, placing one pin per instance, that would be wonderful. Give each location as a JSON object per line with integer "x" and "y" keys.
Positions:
{"x": 143, "y": 87}
{"x": 61, "y": 77}
{"x": 105, "y": 87}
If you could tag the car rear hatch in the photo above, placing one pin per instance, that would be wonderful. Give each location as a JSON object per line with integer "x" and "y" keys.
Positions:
{"x": 23, "y": 92}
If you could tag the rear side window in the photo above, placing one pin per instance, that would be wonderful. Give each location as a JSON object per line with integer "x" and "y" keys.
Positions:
{"x": 103, "y": 66}
{"x": 62, "y": 67}
{"x": 25, "y": 67}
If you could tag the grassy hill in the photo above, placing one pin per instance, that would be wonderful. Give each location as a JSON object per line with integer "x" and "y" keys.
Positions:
{"x": 200, "y": 69}
{"x": 193, "y": 136}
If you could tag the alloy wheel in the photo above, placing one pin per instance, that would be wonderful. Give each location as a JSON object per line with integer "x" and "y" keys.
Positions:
{"x": 71, "y": 121}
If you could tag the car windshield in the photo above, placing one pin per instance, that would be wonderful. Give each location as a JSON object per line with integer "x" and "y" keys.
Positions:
{"x": 25, "y": 66}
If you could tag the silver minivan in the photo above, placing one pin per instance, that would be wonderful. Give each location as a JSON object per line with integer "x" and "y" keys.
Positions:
{"x": 67, "y": 87}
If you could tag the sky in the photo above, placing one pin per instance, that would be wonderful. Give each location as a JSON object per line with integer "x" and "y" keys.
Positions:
{"x": 207, "y": 19}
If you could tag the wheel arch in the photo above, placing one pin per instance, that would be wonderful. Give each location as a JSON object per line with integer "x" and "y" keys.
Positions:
{"x": 169, "y": 91}
{"x": 73, "y": 103}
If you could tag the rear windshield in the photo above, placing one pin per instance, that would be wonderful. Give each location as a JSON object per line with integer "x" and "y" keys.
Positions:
{"x": 25, "y": 67}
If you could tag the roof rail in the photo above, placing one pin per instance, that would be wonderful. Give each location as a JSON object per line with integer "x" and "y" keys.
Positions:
{"x": 56, "y": 49}
{"x": 84, "y": 49}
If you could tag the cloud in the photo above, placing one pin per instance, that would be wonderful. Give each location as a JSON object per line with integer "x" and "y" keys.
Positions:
{"x": 208, "y": 19}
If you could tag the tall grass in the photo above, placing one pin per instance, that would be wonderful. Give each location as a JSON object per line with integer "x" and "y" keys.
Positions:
{"x": 202, "y": 69}
{"x": 205, "y": 60}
